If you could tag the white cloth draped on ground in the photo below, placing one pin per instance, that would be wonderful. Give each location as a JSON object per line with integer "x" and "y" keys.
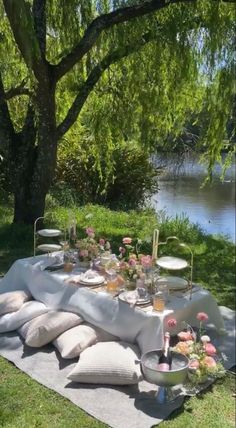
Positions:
{"x": 99, "y": 308}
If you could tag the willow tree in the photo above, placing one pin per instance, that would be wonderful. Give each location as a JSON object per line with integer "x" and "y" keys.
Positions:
{"x": 146, "y": 59}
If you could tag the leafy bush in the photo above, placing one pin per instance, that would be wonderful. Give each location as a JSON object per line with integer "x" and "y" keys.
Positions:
{"x": 124, "y": 181}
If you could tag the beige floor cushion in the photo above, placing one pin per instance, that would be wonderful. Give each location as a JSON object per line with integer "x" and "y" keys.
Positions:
{"x": 45, "y": 328}
{"x": 13, "y": 300}
{"x": 72, "y": 342}
{"x": 114, "y": 363}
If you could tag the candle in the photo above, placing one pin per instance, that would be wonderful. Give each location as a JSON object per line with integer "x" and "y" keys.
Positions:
{"x": 155, "y": 243}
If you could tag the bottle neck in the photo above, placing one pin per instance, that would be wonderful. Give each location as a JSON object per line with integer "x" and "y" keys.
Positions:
{"x": 166, "y": 344}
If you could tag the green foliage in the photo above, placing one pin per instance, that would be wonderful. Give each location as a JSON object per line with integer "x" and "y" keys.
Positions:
{"x": 127, "y": 184}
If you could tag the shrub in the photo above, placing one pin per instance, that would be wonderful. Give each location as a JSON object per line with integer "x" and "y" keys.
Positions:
{"x": 127, "y": 182}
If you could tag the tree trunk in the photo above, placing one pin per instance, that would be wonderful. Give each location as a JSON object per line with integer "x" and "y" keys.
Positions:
{"x": 38, "y": 170}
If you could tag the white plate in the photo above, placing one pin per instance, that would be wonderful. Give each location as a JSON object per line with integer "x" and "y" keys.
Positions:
{"x": 91, "y": 277}
{"x": 173, "y": 282}
{"x": 49, "y": 233}
{"x": 172, "y": 263}
{"x": 130, "y": 297}
{"x": 49, "y": 247}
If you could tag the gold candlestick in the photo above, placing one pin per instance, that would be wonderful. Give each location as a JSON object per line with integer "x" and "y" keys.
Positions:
{"x": 155, "y": 244}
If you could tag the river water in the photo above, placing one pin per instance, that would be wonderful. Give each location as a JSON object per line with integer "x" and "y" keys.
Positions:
{"x": 212, "y": 207}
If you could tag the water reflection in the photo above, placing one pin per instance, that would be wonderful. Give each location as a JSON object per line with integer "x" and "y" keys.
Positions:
{"x": 212, "y": 207}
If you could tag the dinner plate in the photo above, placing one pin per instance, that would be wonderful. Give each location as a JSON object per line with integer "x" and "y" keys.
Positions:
{"x": 129, "y": 297}
{"x": 173, "y": 282}
{"x": 91, "y": 277}
{"x": 172, "y": 263}
{"x": 49, "y": 247}
{"x": 49, "y": 233}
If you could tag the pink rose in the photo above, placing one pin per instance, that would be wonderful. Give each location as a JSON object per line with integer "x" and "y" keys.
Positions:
{"x": 123, "y": 265}
{"x": 209, "y": 362}
{"x": 132, "y": 262}
{"x": 102, "y": 242}
{"x": 194, "y": 364}
{"x": 83, "y": 253}
{"x": 182, "y": 347}
{"x": 172, "y": 322}
{"x": 210, "y": 349}
{"x": 122, "y": 250}
{"x": 127, "y": 240}
{"x": 185, "y": 335}
{"x": 146, "y": 261}
{"x": 202, "y": 316}
{"x": 90, "y": 232}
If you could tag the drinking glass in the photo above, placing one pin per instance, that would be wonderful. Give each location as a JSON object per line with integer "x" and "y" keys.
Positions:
{"x": 159, "y": 301}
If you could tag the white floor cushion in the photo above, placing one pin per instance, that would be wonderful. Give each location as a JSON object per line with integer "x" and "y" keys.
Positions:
{"x": 13, "y": 300}
{"x": 72, "y": 342}
{"x": 114, "y": 363}
{"x": 28, "y": 311}
{"x": 45, "y": 328}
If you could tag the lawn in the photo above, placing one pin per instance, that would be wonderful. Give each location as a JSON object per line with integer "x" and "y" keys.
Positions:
{"x": 25, "y": 403}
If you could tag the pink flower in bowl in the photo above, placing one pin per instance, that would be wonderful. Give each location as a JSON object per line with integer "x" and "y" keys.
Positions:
{"x": 210, "y": 349}
{"x": 209, "y": 362}
{"x": 127, "y": 240}
{"x": 202, "y": 316}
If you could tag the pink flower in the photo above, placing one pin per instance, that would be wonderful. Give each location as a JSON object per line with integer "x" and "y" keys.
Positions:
{"x": 90, "y": 232}
{"x": 132, "y": 262}
{"x": 102, "y": 242}
{"x": 185, "y": 335}
{"x": 172, "y": 322}
{"x": 210, "y": 349}
{"x": 83, "y": 253}
{"x": 127, "y": 240}
{"x": 209, "y": 362}
{"x": 202, "y": 316}
{"x": 194, "y": 364}
{"x": 123, "y": 265}
{"x": 122, "y": 250}
{"x": 146, "y": 261}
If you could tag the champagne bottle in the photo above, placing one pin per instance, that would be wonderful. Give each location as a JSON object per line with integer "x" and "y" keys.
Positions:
{"x": 165, "y": 359}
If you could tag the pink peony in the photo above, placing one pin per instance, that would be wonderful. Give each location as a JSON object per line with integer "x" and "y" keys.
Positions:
{"x": 194, "y": 364}
{"x": 127, "y": 240}
{"x": 102, "y": 242}
{"x": 202, "y": 316}
{"x": 210, "y": 349}
{"x": 209, "y": 362}
{"x": 172, "y": 322}
{"x": 185, "y": 335}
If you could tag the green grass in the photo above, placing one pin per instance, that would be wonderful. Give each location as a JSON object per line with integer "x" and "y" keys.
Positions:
{"x": 25, "y": 403}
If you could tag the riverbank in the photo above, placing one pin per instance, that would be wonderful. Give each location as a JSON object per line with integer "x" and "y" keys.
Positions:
{"x": 35, "y": 405}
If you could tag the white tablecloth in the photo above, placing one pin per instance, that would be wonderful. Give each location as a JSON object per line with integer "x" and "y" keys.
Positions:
{"x": 102, "y": 310}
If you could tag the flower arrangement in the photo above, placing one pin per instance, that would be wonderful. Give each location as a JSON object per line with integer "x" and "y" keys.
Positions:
{"x": 89, "y": 248}
{"x": 204, "y": 360}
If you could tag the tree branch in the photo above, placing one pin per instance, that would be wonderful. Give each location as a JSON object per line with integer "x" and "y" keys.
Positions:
{"x": 103, "y": 22}
{"x": 22, "y": 25}
{"x": 39, "y": 15}
{"x": 93, "y": 78}
{"x": 18, "y": 90}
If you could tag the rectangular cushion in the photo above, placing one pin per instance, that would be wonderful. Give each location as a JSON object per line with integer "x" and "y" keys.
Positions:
{"x": 45, "y": 328}
{"x": 28, "y": 311}
{"x": 114, "y": 363}
{"x": 13, "y": 300}
{"x": 73, "y": 341}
